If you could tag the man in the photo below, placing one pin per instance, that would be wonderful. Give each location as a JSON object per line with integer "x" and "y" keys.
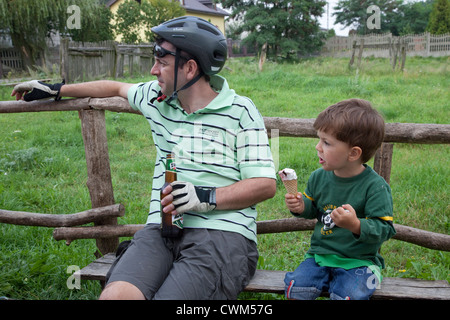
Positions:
{"x": 224, "y": 168}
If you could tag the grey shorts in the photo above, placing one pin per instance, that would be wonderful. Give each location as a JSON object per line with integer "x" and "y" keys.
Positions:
{"x": 202, "y": 264}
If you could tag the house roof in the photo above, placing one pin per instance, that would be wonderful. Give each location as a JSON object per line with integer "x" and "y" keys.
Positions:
{"x": 204, "y": 6}
{"x": 200, "y": 6}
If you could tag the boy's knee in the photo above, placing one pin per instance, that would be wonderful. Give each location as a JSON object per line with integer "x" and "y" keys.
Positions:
{"x": 121, "y": 290}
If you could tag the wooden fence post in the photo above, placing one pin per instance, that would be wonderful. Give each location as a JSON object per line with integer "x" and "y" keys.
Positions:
{"x": 383, "y": 161}
{"x": 116, "y": 59}
{"x": 391, "y": 51}
{"x": 402, "y": 65}
{"x": 396, "y": 53}
{"x": 99, "y": 182}
{"x": 352, "y": 59}
{"x": 361, "y": 48}
{"x": 64, "y": 59}
{"x": 1, "y": 67}
{"x": 119, "y": 62}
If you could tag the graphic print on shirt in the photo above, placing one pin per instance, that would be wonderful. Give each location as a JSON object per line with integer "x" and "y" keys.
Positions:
{"x": 328, "y": 223}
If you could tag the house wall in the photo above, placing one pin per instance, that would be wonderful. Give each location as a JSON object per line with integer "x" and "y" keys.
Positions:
{"x": 218, "y": 21}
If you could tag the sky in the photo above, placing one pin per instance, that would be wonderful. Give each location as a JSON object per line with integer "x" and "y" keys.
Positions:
{"x": 338, "y": 28}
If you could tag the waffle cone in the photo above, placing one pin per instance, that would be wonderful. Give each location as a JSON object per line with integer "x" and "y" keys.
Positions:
{"x": 291, "y": 186}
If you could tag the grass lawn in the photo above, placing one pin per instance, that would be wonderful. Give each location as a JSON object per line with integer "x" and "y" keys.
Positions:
{"x": 43, "y": 168}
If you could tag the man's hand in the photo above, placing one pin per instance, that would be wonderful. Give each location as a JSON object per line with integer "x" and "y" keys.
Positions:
{"x": 187, "y": 197}
{"x": 35, "y": 90}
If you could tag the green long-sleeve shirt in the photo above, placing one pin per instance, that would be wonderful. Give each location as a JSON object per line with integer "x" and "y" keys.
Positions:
{"x": 370, "y": 196}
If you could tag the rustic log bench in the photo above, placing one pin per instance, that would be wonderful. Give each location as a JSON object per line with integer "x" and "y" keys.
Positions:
{"x": 270, "y": 281}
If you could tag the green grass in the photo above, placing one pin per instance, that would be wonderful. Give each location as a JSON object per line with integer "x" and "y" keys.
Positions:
{"x": 43, "y": 169}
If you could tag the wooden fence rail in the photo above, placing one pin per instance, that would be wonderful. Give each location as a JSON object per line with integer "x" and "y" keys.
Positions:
{"x": 288, "y": 127}
{"x": 426, "y": 239}
{"x": 104, "y": 213}
{"x": 61, "y": 220}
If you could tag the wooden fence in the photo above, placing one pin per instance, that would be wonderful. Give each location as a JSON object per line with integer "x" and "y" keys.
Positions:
{"x": 10, "y": 59}
{"x": 105, "y": 212}
{"x": 81, "y": 61}
{"x": 237, "y": 49}
{"x": 87, "y": 60}
{"x": 381, "y": 45}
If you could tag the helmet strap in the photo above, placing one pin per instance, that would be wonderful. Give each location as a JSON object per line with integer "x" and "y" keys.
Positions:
{"x": 177, "y": 60}
{"x": 187, "y": 85}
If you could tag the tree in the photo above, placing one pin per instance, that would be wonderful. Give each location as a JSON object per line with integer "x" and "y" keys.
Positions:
{"x": 414, "y": 17}
{"x": 133, "y": 17}
{"x": 128, "y": 21}
{"x": 288, "y": 27}
{"x": 30, "y": 23}
{"x": 439, "y": 22}
{"x": 99, "y": 29}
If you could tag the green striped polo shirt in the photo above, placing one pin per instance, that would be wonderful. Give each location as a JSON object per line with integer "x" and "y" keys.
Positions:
{"x": 216, "y": 146}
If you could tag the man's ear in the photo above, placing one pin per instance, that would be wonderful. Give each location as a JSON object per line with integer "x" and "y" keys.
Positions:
{"x": 192, "y": 69}
{"x": 354, "y": 154}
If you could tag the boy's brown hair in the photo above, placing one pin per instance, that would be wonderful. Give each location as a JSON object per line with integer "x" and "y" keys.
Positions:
{"x": 354, "y": 122}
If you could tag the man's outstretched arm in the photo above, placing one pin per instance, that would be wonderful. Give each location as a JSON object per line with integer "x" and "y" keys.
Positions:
{"x": 95, "y": 89}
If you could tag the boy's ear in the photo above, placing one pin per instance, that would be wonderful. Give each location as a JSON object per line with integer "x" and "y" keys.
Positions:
{"x": 355, "y": 153}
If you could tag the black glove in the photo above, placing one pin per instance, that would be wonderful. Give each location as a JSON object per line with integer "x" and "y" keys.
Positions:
{"x": 39, "y": 90}
{"x": 187, "y": 197}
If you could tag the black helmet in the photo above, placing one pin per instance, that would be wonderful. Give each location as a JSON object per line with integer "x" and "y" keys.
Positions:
{"x": 197, "y": 37}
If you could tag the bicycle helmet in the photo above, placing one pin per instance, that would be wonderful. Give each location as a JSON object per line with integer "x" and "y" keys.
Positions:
{"x": 197, "y": 37}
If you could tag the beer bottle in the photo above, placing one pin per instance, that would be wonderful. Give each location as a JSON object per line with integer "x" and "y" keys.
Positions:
{"x": 171, "y": 225}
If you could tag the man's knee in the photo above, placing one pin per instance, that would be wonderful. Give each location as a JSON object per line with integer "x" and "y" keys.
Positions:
{"x": 121, "y": 290}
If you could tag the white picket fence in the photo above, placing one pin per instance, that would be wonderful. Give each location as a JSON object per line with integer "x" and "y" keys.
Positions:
{"x": 377, "y": 45}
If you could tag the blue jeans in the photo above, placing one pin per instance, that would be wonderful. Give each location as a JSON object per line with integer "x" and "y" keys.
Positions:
{"x": 309, "y": 280}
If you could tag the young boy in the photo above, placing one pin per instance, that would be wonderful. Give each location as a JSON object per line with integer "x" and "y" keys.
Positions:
{"x": 352, "y": 203}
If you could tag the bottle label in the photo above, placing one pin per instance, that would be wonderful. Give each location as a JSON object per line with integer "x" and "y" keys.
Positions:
{"x": 177, "y": 220}
{"x": 170, "y": 165}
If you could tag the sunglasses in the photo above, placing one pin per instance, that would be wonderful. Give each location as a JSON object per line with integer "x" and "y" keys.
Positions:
{"x": 160, "y": 52}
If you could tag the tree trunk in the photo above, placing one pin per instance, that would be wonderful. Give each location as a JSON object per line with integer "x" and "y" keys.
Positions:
{"x": 26, "y": 51}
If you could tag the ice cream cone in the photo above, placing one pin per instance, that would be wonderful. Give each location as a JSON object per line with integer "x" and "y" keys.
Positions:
{"x": 289, "y": 178}
{"x": 291, "y": 186}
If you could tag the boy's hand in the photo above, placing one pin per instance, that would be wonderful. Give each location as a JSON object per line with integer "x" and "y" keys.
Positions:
{"x": 294, "y": 203}
{"x": 345, "y": 217}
